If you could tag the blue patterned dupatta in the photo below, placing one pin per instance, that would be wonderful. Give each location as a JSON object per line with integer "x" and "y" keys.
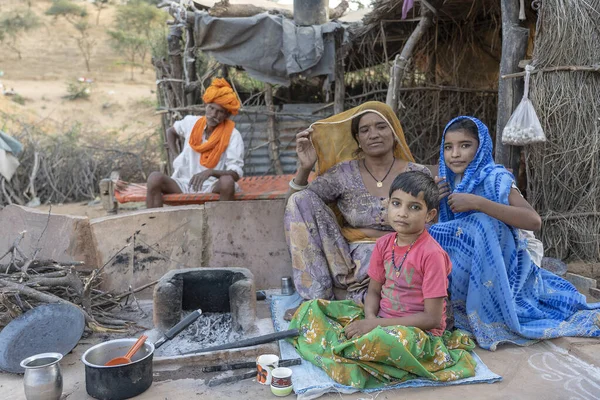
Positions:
{"x": 496, "y": 291}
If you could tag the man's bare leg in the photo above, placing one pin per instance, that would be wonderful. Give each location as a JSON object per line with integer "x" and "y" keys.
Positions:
{"x": 225, "y": 186}
{"x": 157, "y": 185}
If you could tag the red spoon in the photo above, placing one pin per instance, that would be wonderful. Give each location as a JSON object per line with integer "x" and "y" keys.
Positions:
{"x": 127, "y": 359}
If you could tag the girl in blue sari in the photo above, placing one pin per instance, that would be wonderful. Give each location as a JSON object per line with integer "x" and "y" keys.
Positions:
{"x": 497, "y": 292}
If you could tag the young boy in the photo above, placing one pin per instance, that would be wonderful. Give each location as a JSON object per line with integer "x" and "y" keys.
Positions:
{"x": 408, "y": 269}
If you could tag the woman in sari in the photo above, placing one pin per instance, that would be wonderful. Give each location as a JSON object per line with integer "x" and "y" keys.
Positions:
{"x": 496, "y": 289}
{"x": 357, "y": 153}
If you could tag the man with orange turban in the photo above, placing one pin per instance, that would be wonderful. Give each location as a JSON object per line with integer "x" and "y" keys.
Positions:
{"x": 213, "y": 152}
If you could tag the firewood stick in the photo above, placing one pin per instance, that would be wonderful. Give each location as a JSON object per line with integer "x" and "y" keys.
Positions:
{"x": 40, "y": 296}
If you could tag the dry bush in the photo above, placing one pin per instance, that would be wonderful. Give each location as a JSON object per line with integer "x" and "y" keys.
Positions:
{"x": 67, "y": 166}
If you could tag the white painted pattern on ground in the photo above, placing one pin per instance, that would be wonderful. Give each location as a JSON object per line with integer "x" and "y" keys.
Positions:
{"x": 580, "y": 379}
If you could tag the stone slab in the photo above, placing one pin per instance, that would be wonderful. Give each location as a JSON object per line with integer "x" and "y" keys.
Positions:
{"x": 62, "y": 238}
{"x": 249, "y": 234}
{"x": 587, "y": 269}
{"x": 582, "y": 283}
{"x": 158, "y": 240}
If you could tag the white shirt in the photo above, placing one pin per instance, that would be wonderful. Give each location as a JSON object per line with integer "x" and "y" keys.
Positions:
{"x": 187, "y": 164}
{"x": 535, "y": 247}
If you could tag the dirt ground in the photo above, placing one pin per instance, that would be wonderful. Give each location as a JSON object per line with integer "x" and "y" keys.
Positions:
{"x": 552, "y": 370}
{"x": 50, "y": 59}
{"x": 118, "y": 107}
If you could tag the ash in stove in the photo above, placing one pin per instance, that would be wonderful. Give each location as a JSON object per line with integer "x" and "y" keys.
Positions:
{"x": 210, "y": 329}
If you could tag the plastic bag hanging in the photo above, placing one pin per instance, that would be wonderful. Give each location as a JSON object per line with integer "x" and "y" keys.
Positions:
{"x": 524, "y": 127}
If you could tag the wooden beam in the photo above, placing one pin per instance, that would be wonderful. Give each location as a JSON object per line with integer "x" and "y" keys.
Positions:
{"x": 175, "y": 60}
{"x": 272, "y": 132}
{"x": 199, "y": 109}
{"x": 514, "y": 48}
{"x": 190, "y": 64}
{"x": 340, "y": 85}
{"x": 401, "y": 62}
{"x": 584, "y": 68}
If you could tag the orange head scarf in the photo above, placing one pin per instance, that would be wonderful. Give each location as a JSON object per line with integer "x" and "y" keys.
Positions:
{"x": 221, "y": 93}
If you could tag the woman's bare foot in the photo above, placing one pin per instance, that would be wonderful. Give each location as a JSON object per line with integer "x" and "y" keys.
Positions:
{"x": 289, "y": 314}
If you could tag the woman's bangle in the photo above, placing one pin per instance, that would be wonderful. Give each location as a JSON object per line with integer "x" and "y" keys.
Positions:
{"x": 297, "y": 187}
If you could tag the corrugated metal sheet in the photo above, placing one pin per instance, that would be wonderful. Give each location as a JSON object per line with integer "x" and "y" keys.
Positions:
{"x": 253, "y": 128}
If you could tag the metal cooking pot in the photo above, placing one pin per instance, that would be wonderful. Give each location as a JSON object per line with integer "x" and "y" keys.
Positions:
{"x": 124, "y": 381}
{"x": 120, "y": 381}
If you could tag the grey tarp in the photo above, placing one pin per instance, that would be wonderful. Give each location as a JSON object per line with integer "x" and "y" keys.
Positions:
{"x": 269, "y": 47}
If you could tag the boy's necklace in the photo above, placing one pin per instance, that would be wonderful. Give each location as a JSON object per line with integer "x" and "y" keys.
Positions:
{"x": 399, "y": 267}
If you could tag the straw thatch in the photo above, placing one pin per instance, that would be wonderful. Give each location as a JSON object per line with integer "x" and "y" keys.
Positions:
{"x": 563, "y": 173}
{"x": 462, "y": 49}
{"x": 453, "y": 69}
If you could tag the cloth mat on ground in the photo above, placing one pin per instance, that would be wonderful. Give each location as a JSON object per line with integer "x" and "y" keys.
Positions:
{"x": 267, "y": 187}
{"x": 311, "y": 382}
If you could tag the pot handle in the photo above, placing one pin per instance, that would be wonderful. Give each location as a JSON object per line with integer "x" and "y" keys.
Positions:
{"x": 174, "y": 331}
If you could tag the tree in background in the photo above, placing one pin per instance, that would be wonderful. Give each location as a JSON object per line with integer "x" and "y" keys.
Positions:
{"x": 100, "y": 5}
{"x": 129, "y": 44}
{"x": 136, "y": 28}
{"x": 13, "y": 25}
{"x": 77, "y": 16}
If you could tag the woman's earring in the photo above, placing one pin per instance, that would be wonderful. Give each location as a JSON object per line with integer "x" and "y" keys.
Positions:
{"x": 359, "y": 146}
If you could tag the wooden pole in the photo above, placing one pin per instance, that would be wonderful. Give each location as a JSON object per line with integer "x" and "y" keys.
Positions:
{"x": 162, "y": 96}
{"x": 190, "y": 62}
{"x": 510, "y": 92}
{"x": 175, "y": 60}
{"x": 272, "y": 132}
{"x": 340, "y": 85}
{"x": 401, "y": 62}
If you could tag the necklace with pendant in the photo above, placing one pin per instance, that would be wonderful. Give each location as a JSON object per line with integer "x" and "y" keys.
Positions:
{"x": 379, "y": 182}
{"x": 399, "y": 267}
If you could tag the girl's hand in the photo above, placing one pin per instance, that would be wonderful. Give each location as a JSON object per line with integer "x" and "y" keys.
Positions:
{"x": 443, "y": 186}
{"x": 359, "y": 328}
{"x": 307, "y": 156}
{"x": 463, "y": 202}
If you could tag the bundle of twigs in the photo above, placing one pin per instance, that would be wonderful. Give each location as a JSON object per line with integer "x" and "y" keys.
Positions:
{"x": 67, "y": 166}
{"x": 26, "y": 282}
{"x": 563, "y": 173}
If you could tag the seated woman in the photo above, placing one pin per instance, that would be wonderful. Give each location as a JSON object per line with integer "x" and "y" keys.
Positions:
{"x": 496, "y": 289}
{"x": 358, "y": 153}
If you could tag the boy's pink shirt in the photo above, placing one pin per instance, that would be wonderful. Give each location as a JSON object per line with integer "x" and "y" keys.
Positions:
{"x": 424, "y": 275}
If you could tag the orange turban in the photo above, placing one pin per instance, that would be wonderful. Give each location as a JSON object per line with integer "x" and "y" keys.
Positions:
{"x": 221, "y": 93}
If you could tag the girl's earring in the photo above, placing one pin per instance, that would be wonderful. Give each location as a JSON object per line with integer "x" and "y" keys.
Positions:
{"x": 359, "y": 146}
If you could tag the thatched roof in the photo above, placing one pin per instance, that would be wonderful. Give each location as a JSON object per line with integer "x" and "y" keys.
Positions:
{"x": 466, "y": 35}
